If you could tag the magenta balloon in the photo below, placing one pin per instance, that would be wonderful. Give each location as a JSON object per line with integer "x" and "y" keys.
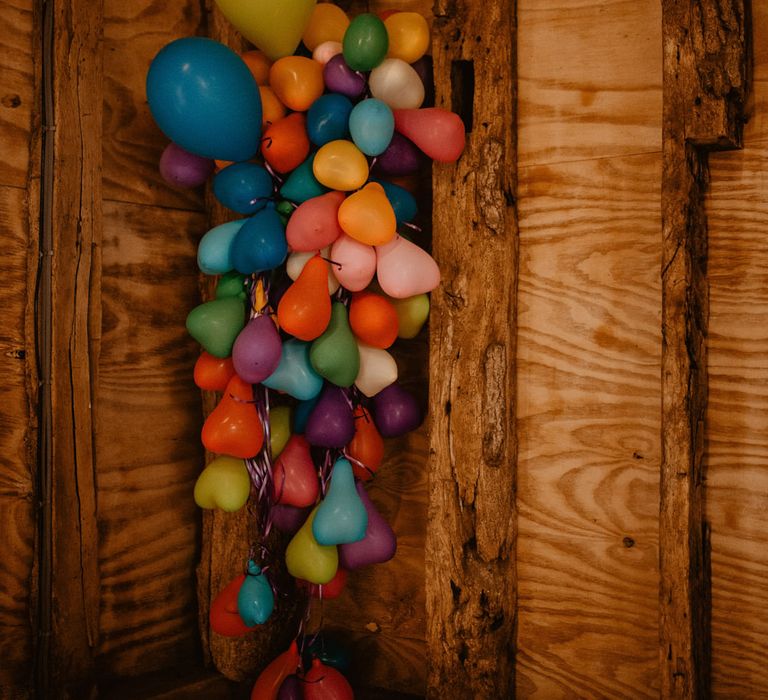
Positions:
{"x": 437, "y": 132}
{"x": 400, "y": 158}
{"x": 331, "y": 423}
{"x": 256, "y": 352}
{"x": 292, "y": 688}
{"x": 395, "y": 411}
{"x": 339, "y": 77}
{"x": 288, "y": 519}
{"x": 184, "y": 169}
{"x": 378, "y": 545}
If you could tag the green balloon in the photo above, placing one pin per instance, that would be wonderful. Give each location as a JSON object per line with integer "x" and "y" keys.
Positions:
{"x": 216, "y": 324}
{"x": 334, "y": 354}
{"x": 365, "y": 42}
{"x": 284, "y": 208}
{"x": 231, "y": 284}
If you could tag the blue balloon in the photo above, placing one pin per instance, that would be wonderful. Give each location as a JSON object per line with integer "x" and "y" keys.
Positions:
{"x": 302, "y": 184}
{"x": 260, "y": 243}
{"x": 294, "y": 375}
{"x": 204, "y": 98}
{"x": 341, "y": 517}
{"x": 255, "y": 601}
{"x": 301, "y": 414}
{"x": 328, "y": 119}
{"x": 243, "y": 187}
{"x": 372, "y": 126}
{"x": 215, "y": 248}
{"x": 402, "y": 201}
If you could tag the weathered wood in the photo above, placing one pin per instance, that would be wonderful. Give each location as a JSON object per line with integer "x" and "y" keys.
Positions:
{"x": 705, "y": 62}
{"x": 470, "y": 563}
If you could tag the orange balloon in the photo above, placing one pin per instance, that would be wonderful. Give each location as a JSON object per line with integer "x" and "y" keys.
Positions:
{"x": 328, "y": 23}
{"x": 408, "y": 34}
{"x": 268, "y": 683}
{"x": 258, "y": 64}
{"x": 305, "y": 309}
{"x": 285, "y": 144}
{"x": 373, "y": 319}
{"x": 234, "y": 428}
{"x": 221, "y": 164}
{"x": 213, "y": 373}
{"x": 367, "y": 216}
{"x": 224, "y": 617}
{"x": 367, "y": 446}
{"x": 272, "y": 110}
{"x": 387, "y": 13}
{"x": 297, "y": 81}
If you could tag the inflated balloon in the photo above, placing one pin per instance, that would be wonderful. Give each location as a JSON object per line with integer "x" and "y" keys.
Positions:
{"x": 354, "y": 263}
{"x": 400, "y": 158}
{"x": 258, "y": 64}
{"x": 334, "y": 355}
{"x": 260, "y": 243}
{"x": 365, "y": 42}
{"x": 243, "y": 187}
{"x": 288, "y": 519}
{"x": 378, "y": 545}
{"x": 371, "y": 126}
{"x": 255, "y": 600}
{"x": 331, "y": 423}
{"x": 272, "y": 109}
{"x": 297, "y": 81}
{"x": 224, "y": 618}
{"x": 328, "y": 649}
{"x": 330, "y": 590}
{"x": 373, "y": 319}
{"x": 294, "y": 375}
{"x": 301, "y": 414}
{"x": 215, "y": 324}
{"x": 302, "y": 184}
{"x": 204, "y": 98}
{"x": 183, "y": 169}
{"x": 408, "y": 34}
{"x": 306, "y": 559}
{"x": 395, "y": 411}
{"x": 339, "y": 77}
{"x": 274, "y": 27}
{"x": 398, "y": 84}
{"x": 326, "y": 683}
{"x": 325, "y": 52}
{"x": 328, "y": 23}
{"x": 424, "y": 68}
{"x": 315, "y": 223}
{"x": 233, "y": 427}
{"x": 279, "y": 429}
{"x": 285, "y": 144}
{"x": 272, "y": 677}
{"x": 367, "y": 447}
{"x": 340, "y": 165}
{"x": 328, "y": 119}
{"x": 257, "y": 350}
{"x": 213, "y": 373}
{"x": 368, "y": 217}
{"x": 215, "y": 247}
{"x": 305, "y": 309}
{"x": 231, "y": 284}
{"x": 223, "y": 484}
{"x": 437, "y": 132}
{"x": 294, "y": 475}
{"x": 341, "y": 517}
{"x": 297, "y": 261}
{"x": 378, "y": 370}
{"x": 412, "y": 314}
{"x": 402, "y": 201}
{"x": 403, "y": 269}
{"x": 292, "y": 688}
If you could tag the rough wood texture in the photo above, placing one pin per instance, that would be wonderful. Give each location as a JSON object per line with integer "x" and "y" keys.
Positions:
{"x": 704, "y": 89}
{"x": 471, "y": 577}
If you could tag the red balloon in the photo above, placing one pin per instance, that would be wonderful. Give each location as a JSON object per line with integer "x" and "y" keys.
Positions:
{"x": 330, "y": 590}
{"x": 268, "y": 683}
{"x": 294, "y": 475}
{"x": 213, "y": 373}
{"x": 366, "y": 447}
{"x": 437, "y": 132}
{"x": 234, "y": 428}
{"x": 225, "y": 619}
{"x": 315, "y": 223}
{"x": 326, "y": 683}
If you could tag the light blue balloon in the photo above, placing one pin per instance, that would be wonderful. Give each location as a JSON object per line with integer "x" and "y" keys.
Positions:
{"x": 204, "y": 98}
{"x": 294, "y": 375}
{"x": 302, "y": 184}
{"x": 260, "y": 243}
{"x": 243, "y": 187}
{"x": 402, "y": 201}
{"x": 214, "y": 250}
{"x": 341, "y": 517}
{"x": 372, "y": 125}
{"x": 328, "y": 119}
{"x": 255, "y": 601}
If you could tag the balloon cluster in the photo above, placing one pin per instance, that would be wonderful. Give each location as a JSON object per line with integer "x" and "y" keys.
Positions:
{"x": 316, "y": 282}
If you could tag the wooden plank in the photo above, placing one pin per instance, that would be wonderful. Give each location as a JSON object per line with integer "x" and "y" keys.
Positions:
{"x": 756, "y": 128}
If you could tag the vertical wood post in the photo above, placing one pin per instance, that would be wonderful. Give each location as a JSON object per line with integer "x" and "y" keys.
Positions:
{"x": 470, "y": 558}
{"x": 705, "y": 59}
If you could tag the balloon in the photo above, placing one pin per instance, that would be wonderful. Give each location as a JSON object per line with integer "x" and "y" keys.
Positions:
{"x": 260, "y": 243}
{"x": 397, "y": 84}
{"x": 272, "y": 109}
{"x": 373, "y": 319}
{"x": 183, "y": 169}
{"x": 302, "y": 184}
{"x": 341, "y": 516}
{"x": 325, "y": 52}
{"x": 326, "y": 683}
{"x": 297, "y": 261}
{"x": 256, "y": 352}
{"x": 305, "y": 309}
{"x": 328, "y": 23}
{"x": 326, "y": 647}
{"x": 243, "y": 187}
{"x": 400, "y": 158}
{"x": 215, "y": 325}
{"x": 366, "y": 447}
{"x": 371, "y": 125}
{"x": 294, "y": 375}
{"x": 408, "y": 34}
{"x": 279, "y": 429}
{"x": 437, "y": 132}
{"x": 223, "y": 616}
{"x": 204, "y": 98}
{"x": 294, "y": 475}
{"x": 233, "y": 427}
{"x": 297, "y": 81}
{"x": 334, "y": 354}
{"x": 340, "y": 165}
{"x": 292, "y": 688}
{"x": 223, "y": 484}
{"x": 328, "y": 591}
{"x": 213, "y": 373}
{"x": 274, "y": 27}
{"x": 328, "y": 119}
{"x": 315, "y": 223}
{"x": 258, "y": 64}
{"x": 302, "y": 413}
{"x": 402, "y": 201}
{"x": 365, "y": 42}
{"x": 395, "y": 411}
{"x": 331, "y": 423}
{"x": 214, "y": 250}
{"x": 306, "y": 559}
{"x": 412, "y": 313}
{"x": 255, "y": 600}
{"x": 403, "y": 269}
{"x": 424, "y": 69}
{"x": 367, "y": 216}
{"x": 268, "y": 683}
{"x": 339, "y": 77}
{"x": 378, "y": 545}
{"x": 378, "y": 370}
{"x": 288, "y": 519}
{"x": 285, "y": 144}
{"x": 354, "y": 263}
{"x": 231, "y": 284}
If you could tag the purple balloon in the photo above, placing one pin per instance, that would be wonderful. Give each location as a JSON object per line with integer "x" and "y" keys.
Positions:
{"x": 339, "y": 77}
{"x": 395, "y": 411}
{"x": 256, "y": 352}
{"x": 288, "y": 519}
{"x": 184, "y": 169}
{"x": 423, "y": 68}
{"x": 331, "y": 423}
{"x": 291, "y": 689}
{"x": 401, "y": 157}
{"x": 378, "y": 545}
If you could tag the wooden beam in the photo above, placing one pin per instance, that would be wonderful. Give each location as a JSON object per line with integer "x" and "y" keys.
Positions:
{"x": 705, "y": 70}
{"x": 470, "y": 557}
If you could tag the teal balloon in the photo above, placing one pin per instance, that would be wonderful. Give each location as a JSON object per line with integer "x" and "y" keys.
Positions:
{"x": 260, "y": 243}
{"x": 301, "y": 414}
{"x": 328, "y": 119}
{"x": 214, "y": 252}
{"x": 216, "y": 324}
{"x": 294, "y": 375}
{"x": 243, "y": 187}
{"x": 402, "y": 201}
{"x": 372, "y": 125}
{"x": 231, "y": 284}
{"x": 365, "y": 42}
{"x": 341, "y": 517}
{"x": 330, "y": 651}
{"x": 334, "y": 355}
{"x": 302, "y": 184}
{"x": 205, "y": 99}
{"x": 255, "y": 601}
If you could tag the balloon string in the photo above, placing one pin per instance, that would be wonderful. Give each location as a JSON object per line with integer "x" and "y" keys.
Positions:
{"x": 332, "y": 262}
{"x": 413, "y": 226}
{"x": 269, "y": 168}
{"x": 358, "y": 463}
{"x": 325, "y": 471}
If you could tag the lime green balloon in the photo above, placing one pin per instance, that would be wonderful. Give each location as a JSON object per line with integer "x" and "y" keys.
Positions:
{"x": 412, "y": 314}
{"x": 285, "y": 208}
{"x": 231, "y": 284}
{"x": 365, "y": 42}
{"x": 279, "y": 429}
{"x": 223, "y": 484}
{"x": 334, "y": 355}
{"x": 308, "y": 560}
{"x": 216, "y": 324}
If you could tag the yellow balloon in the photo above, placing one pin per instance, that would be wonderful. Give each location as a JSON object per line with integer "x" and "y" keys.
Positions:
{"x": 367, "y": 216}
{"x": 329, "y": 23}
{"x": 223, "y": 484}
{"x": 340, "y": 165}
{"x": 308, "y": 560}
{"x": 274, "y": 27}
{"x": 279, "y": 429}
{"x": 297, "y": 81}
{"x": 408, "y": 36}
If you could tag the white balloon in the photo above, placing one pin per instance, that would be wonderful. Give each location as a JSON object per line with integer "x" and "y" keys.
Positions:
{"x": 378, "y": 370}
{"x": 397, "y": 84}
{"x": 296, "y": 261}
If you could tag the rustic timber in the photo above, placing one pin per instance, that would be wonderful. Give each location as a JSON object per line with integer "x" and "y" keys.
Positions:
{"x": 705, "y": 62}
{"x": 470, "y": 549}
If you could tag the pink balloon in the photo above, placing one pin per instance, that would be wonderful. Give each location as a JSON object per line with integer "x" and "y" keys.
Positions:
{"x": 437, "y": 132}
{"x": 354, "y": 263}
{"x": 404, "y": 270}
{"x": 326, "y": 51}
{"x": 315, "y": 223}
